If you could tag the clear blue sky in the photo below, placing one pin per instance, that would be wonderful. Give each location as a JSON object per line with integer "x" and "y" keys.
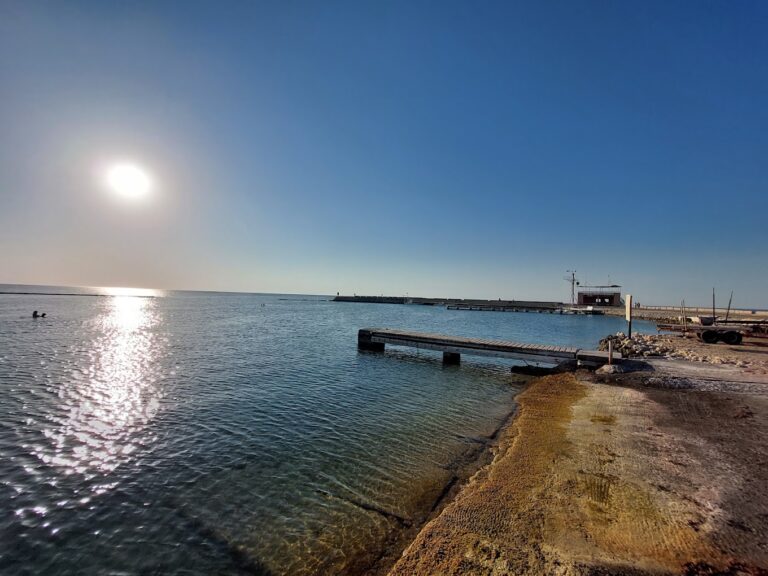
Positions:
{"x": 472, "y": 149}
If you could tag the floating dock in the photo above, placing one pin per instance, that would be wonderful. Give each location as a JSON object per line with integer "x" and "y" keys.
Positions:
{"x": 452, "y": 347}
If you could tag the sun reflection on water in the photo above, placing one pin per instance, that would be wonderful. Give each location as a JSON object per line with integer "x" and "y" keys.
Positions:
{"x": 109, "y": 402}
{"x": 121, "y": 291}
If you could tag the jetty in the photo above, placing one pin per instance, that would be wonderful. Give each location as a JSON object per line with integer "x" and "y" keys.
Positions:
{"x": 457, "y": 303}
{"x": 568, "y": 310}
{"x": 452, "y": 347}
{"x": 534, "y": 306}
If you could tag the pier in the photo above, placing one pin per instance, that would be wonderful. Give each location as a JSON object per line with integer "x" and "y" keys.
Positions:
{"x": 457, "y": 303}
{"x": 499, "y": 305}
{"x": 452, "y": 347}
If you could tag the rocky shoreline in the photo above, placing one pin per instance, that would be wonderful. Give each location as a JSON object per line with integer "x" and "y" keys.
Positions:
{"x": 679, "y": 347}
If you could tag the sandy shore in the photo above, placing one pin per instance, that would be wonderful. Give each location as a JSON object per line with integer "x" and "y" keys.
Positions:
{"x": 656, "y": 472}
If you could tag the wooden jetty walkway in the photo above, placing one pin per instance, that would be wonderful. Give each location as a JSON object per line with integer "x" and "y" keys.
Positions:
{"x": 453, "y": 347}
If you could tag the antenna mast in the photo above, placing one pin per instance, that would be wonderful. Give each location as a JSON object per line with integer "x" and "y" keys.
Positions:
{"x": 571, "y": 277}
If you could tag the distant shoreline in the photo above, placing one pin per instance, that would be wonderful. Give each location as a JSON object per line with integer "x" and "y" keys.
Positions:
{"x": 75, "y": 294}
{"x": 654, "y": 313}
{"x": 51, "y": 294}
{"x": 642, "y": 312}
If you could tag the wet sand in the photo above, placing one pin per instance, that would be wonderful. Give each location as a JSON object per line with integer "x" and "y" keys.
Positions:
{"x": 614, "y": 474}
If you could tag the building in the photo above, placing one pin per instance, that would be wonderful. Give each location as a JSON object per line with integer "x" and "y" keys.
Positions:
{"x": 600, "y": 295}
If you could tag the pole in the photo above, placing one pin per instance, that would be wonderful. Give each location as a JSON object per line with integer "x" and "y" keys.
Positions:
{"x": 573, "y": 285}
{"x": 628, "y": 315}
{"x": 571, "y": 277}
{"x": 610, "y": 352}
{"x": 685, "y": 319}
{"x": 728, "y": 312}
{"x": 714, "y": 318}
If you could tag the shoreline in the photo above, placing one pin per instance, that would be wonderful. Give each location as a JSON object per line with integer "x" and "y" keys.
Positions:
{"x": 654, "y": 472}
{"x": 467, "y": 464}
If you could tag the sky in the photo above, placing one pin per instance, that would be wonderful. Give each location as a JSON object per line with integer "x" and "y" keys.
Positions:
{"x": 446, "y": 149}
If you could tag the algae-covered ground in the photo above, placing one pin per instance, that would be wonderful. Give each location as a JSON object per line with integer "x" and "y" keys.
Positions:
{"x": 612, "y": 477}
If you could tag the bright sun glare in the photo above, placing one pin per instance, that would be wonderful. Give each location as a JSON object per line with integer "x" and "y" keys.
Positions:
{"x": 129, "y": 181}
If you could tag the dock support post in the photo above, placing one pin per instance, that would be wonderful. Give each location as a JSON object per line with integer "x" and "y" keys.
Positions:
{"x": 451, "y": 358}
{"x": 364, "y": 342}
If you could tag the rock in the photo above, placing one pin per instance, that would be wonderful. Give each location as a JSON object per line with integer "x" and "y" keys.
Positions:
{"x": 640, "y": 345}
{"x": 744, "y": 412}
{"x": 610, "y": 369}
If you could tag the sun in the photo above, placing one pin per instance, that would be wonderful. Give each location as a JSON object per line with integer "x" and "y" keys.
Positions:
{"x": 129, "y": 181}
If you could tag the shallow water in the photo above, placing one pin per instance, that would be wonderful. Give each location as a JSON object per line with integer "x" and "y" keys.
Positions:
{"x": 204, "y": 433}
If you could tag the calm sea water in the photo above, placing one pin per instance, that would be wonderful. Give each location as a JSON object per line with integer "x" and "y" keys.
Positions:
{"x": 200, "y": 433}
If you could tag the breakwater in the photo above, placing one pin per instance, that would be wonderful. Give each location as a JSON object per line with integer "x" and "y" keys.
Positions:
{"x": 669, "y": 314}
{"x": 462, "y": 303}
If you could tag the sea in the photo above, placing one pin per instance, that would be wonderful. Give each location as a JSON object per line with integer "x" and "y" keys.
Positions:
{"x": 170, "y": 432}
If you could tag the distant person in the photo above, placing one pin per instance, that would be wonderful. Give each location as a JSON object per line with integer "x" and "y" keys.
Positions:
{"x": 36, "y": 314}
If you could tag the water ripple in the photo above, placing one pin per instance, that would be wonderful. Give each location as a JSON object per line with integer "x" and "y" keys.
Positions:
{"x": 212, "y": 433}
